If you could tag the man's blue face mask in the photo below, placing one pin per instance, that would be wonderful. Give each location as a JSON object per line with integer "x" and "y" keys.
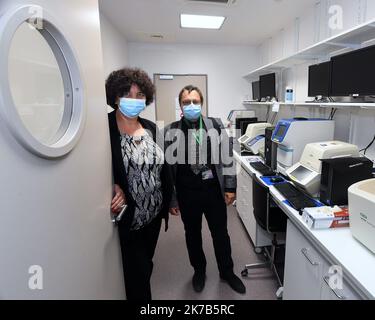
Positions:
{"x": 192, "y": 111}
{"x": 131, "y": 108}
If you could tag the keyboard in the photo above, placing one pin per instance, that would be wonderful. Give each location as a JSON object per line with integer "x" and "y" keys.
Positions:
{"x": 297, "y": 199}
{"x": 263, "y": 169}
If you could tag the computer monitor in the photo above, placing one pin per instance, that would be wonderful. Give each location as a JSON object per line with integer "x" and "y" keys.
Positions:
{"x": 268, "y": 86}
{"x": 256, "y": 90}
{"x": 320, "y": 79}
{"x": 353, "y": 73}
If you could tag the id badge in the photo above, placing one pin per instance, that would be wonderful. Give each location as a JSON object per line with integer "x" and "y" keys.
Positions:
{"x": 207, "y": 175}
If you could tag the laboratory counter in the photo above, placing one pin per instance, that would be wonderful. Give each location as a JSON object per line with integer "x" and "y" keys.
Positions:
{"x": 321, "y": 249}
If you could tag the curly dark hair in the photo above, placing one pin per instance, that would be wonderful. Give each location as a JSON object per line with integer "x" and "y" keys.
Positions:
{"x": 119, "y": 82}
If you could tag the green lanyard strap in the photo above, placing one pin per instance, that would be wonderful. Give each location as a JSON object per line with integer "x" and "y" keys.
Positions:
{"x": 200, "y": 137}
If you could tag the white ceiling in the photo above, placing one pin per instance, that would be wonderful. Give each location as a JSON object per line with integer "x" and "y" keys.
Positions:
{"x": 248, "y": 22}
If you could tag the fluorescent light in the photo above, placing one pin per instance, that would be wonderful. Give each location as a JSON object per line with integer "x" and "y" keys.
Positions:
{"x": 198, "y": 21}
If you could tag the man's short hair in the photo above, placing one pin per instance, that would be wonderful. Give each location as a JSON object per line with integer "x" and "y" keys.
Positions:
{"x": 189, "y": 89}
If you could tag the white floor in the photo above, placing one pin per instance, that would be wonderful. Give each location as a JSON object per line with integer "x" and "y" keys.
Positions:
{"x": 172, "y": 274}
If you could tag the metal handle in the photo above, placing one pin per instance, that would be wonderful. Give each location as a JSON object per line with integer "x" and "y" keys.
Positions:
{"x": 116, "y": 219}
{"x": 326, "y": 280}
{"x": 305, "y": 253}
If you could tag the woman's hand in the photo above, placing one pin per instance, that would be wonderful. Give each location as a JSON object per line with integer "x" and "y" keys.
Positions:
{"x": 229, "y": 198}
{"x": 174, "y": 211}
{"x": 118, "y": 200}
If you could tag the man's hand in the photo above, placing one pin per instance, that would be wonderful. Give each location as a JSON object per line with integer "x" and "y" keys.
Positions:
{"x": 118, "y": 200}
{"x": 229, "y": 198}
{"x": 174, "y": 211}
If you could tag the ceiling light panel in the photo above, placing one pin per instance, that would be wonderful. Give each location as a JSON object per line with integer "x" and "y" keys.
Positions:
{"x": 200, "y": 21}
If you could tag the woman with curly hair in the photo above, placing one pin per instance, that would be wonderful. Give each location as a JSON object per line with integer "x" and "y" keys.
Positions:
{"x": 141, "y": 181}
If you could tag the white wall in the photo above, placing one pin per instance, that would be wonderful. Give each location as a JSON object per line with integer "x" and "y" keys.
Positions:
{"x": 352, "y": 124}
{"x": 115, "y": 47}
{"x": 225, "y": 67}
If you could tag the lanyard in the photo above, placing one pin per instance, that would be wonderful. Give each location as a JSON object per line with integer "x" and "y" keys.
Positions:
{"x": 200, "y": 138}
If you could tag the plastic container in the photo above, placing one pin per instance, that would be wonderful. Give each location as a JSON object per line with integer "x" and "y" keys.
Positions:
{"x": 289, "y": 95}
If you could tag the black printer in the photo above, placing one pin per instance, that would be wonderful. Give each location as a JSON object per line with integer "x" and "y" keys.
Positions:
{"x": 339, "y": 174}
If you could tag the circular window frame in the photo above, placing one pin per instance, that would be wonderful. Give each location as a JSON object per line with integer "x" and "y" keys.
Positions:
{"x": 74, "y": 115}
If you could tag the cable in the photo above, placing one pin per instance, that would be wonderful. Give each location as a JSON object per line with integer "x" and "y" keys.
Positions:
{"x": 370, "y": 144}
{"x": 268, "y": 113}
{"x": 330, "y": 115}
{"x": 274, "y": 118}
{"x": 333, "y": 112}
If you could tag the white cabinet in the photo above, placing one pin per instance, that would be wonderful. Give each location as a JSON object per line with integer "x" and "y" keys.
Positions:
{"x": 259, "y": 237}
{"x": 308, "y": 274}
{"x": 303, "y": 267}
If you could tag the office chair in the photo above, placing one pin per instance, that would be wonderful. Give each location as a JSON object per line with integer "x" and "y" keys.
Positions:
{"x": 270, "y": 218}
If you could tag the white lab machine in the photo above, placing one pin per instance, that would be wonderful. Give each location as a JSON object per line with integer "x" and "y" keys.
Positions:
{"x": 292, "y": 135}
{"x": 307, "y": 172}
{"x": 362, "y": 212}
{"x": 254, "y": 145}
{"x": 253, "y": 130}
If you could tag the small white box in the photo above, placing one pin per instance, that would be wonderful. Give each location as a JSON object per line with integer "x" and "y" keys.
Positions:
{"x": 326, "y": 217}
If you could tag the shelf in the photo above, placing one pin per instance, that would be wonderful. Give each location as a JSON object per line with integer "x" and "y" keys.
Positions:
{"x": 351, "y": 39}
{"x": 315, "y": 104}
{"x": 257, "y": 103}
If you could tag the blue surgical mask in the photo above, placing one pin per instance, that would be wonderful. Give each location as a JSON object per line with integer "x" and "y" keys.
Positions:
{"x": 131, "y": 108}
{"x": 192, "y": 111}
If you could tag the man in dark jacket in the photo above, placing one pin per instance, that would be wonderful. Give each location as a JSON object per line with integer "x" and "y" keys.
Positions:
{"x": 198, "y": 151}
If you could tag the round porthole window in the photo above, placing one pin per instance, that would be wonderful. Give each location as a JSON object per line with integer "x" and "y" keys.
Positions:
{"x": 41, "y": 96}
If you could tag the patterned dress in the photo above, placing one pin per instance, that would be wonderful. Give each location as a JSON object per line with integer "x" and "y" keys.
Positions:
{"x": 143, "y": 160}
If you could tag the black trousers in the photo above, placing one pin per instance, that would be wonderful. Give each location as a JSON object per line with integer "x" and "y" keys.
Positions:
{"x": 194, "y": 202}
{"x": 138, "y": 248}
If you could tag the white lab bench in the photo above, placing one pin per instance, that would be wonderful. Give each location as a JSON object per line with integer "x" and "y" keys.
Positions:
{"x": 310, "y": 254}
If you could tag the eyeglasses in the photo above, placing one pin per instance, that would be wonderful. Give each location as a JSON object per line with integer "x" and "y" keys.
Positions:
{"x": 189, "y": 102}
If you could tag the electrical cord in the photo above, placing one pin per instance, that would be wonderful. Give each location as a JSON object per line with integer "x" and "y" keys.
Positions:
{"x": 268, "y": 113}
{"x": 370, "y": 144}
{"x": 274, "y": 118}
{"x": 330, "y": 115}
{"x": 333, "y": 113}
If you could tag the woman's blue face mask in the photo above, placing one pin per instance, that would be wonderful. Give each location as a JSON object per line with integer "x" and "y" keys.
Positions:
{"x": 131, "y": 108}
{"x": 192, "y": 111}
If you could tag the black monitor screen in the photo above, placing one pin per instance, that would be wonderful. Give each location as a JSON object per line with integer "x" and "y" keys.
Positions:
{"x": 320, "y": 79}
{"x": 353, "y": 73}
{"x": 256, "y": 91}
{"x": 268, "y": 85}
{"x": 242, "y": 123}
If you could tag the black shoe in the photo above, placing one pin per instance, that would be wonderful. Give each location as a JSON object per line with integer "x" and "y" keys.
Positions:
{"x": 234, "y": 282}
{"x": 199, "y": 280}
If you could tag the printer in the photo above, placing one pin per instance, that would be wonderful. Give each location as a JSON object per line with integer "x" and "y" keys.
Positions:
{"x": 253, "y": 130}
{"x": 307, "y": 172}
{"x": 292, "y": 135}
{"x": 362, "y": 212}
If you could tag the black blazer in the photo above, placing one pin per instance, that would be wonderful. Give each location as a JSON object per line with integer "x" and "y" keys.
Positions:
{"x": 119, "y": 173}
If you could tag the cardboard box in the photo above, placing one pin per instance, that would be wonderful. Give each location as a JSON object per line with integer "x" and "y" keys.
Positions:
{"x": 326, "y": 217}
